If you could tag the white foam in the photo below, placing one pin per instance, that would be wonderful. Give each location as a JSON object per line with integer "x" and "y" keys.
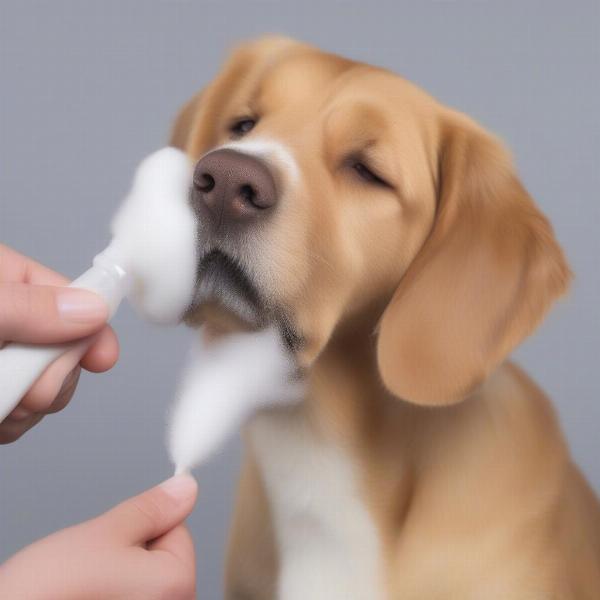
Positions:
{"x": 155, "y": 241}
{"x": 224, "y": 383}
{"x": 155, "y": 235}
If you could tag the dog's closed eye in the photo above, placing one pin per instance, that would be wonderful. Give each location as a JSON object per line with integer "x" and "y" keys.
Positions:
{"x": 367, "y": 174}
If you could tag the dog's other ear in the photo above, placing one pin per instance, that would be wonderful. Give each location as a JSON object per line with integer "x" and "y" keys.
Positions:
{"x": 482, "y": 282}
{"x": 180, "y": 132}
{"x": 196, "y": 126}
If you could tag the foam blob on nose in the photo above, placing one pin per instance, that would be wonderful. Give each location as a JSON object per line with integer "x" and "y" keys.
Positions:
{"x": 225, "y": 382}
{"x": 155, "y": 236}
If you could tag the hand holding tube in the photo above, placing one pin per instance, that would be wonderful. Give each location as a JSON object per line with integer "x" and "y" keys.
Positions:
{"x": 35, "y": 308}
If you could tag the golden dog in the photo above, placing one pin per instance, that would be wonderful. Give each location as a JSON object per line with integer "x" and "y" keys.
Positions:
{"x": 391, "y": 239}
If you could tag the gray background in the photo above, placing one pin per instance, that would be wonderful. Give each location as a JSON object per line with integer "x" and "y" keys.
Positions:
{"x": 87, "y": 89}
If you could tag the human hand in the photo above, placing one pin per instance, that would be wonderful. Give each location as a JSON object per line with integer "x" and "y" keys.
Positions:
{"x": 140, "y": 549}
{"x": 34, "y": 309}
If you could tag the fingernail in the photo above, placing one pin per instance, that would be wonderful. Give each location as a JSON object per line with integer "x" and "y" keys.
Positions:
{"x": 180, "y": 487}
{"x": 80, "y": 306}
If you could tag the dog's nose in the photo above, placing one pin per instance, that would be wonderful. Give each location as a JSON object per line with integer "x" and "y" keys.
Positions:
{"x": 232, "y": 186}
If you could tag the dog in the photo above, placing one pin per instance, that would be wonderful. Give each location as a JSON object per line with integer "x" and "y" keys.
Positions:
{"x": 389, "y": 238}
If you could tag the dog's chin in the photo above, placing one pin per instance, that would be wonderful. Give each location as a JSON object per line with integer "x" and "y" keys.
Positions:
{"x": 225, "y": 294}
{"x": 227, "y": 300}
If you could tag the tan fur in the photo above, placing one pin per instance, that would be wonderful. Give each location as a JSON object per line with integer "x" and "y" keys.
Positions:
{"x": 408, "y": 298}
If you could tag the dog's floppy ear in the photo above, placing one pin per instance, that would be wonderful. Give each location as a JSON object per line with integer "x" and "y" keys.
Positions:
{"x": 180, "y": 132}
{"x": 196, "y": 126}
{"x": 482, "y": 282}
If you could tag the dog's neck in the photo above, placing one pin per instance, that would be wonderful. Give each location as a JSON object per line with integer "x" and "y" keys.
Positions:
{"x": 346, "y": 394}
{"x": 347, "y": 407}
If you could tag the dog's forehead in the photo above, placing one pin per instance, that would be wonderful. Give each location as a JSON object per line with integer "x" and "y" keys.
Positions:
{"x": 300, "y": 75}
{"x": 318, "y": 83}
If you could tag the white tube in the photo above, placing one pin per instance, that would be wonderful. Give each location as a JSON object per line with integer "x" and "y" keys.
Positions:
{"x": 22, "y": 364}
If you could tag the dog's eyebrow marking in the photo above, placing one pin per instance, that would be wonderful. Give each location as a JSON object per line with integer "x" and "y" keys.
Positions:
{"x": 270, "y": 150}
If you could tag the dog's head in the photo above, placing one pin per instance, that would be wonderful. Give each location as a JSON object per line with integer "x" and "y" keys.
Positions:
{"x": 330, "y": 191}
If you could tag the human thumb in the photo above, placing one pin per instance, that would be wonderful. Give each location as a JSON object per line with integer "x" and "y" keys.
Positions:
{"x": 154, "y": 512}
{"x": 41, "y": 314}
